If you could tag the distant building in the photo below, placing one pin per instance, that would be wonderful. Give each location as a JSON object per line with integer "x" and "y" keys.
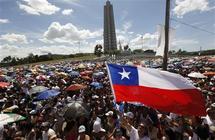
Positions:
{"x": 120, "y": 47}
{"x": 110, "y": 43}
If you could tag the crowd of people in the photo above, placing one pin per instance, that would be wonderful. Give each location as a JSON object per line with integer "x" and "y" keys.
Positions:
{"x": 73, "y": 101}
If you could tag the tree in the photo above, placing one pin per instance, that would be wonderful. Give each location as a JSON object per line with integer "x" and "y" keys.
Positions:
{"x": 126, "y": 47}
{"x": 14, "y": 61}
{"x": 98, "y": 50}
{"x": 136, "y": 51}
{"x": 149, "y": 51}
{"x": 7, "y": 59}
{"x": 179, "y": 51}
{"x": 172, "y": 52}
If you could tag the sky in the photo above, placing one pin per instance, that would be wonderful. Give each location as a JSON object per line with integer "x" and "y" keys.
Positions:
{"x": 73, "y": 26}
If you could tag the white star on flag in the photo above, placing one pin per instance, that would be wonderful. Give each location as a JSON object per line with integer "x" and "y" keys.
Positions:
{"x": 124, "y": 74}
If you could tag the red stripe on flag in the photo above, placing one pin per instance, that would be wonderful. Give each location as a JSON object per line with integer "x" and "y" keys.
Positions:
{"x": 183, "y": 101}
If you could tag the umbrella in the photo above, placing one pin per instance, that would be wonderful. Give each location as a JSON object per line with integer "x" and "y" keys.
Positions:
{"x": 209, "y": 73}
{"x": 81, "y": 66}
{"x": 41, "y": 77}
{"x": 97, "y": 85}
{"x": 75, "y": 110}
{"x": 5, "y": 78}
{"x": 86, "y": 77}
{"x": 74, "y": 73}
{"x": 211, "y": 59}
{"x": 196, "y": 75}
{"x": 2, "y": 78}
{"x": 62, "y": 74}
{"x": 129, "y": 63}
{"x": 98, "y": 74}
{"x": 76, "y": 87}
{"x": 9, "y": 118}
{"x": 50, "y": 73}
{"x": 47, "y": 94}
{"x": 88, "y": 72}
{"x": 83, "y": 73}
{"x": 37, "y": 89}
{"x": 4, "y": 84}
{"x": 10, "y": 109}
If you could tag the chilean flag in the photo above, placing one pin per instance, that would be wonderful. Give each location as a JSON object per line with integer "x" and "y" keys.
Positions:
{"x": 158, "y": 89}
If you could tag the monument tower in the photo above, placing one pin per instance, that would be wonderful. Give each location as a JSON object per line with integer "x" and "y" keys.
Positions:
{"x": 109, "y": 36}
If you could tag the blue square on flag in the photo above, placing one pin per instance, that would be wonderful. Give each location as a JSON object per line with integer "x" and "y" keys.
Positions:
{"x": 123, "y": 75}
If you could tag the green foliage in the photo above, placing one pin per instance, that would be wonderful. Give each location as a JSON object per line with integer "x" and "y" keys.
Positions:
{"x": 149, "y": 51}
{"x": 31, "y": 58}
{"x": 136, "y": 51}
{"x": 126, "y": 47}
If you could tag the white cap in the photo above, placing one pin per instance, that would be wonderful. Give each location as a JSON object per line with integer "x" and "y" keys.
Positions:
{"x": 109, "y": 113}
{"x": 129, "y": 115}
{"x": 81, "y": 129}
{"x": 33, "y": 112}
{"x": 97, "y": 127}
{"x": 95, "y": 97}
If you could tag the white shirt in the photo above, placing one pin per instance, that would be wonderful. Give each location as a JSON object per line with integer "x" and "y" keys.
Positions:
{"x": 133, "y": 134}
{"x": 195, "y": 137}
{"x": 207, "y": 120}
{"x": 45, "y": 135}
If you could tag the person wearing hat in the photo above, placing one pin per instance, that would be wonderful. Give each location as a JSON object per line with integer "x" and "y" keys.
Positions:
{"x": 110, "y": 125}
{"x": 98, "y": 132}
{"x": 129, "y": 116}
{"x": 82, "y": 135}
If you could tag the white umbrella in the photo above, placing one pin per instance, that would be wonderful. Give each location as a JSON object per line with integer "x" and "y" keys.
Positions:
{"x": 196, "y": 75}
{"x": 9, "y": 118}
{"x": 81, "y": 66}
{"x": 37, "y": 89}
{"x": 129, "y": 63}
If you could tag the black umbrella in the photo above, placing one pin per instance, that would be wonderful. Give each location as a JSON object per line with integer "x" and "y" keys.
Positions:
{"x": 76, "y": 109}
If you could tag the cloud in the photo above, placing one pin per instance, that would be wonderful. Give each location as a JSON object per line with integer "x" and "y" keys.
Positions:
{"x": 127, "y": 25}
{"x": 68, "y": 33}
{"x": 4, "y": 21}
{"x": 124, "y": 34}
{"x": 20, "y": 52}
{"x": 67, "y": 11}
{"x": 14, "y": 38}
{"x": 38, "y": 7}
{"x": 186, "y": 6}
{"x": 148, "y": 41}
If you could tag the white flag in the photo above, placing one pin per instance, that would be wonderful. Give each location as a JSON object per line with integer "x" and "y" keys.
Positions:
{"x": 161, "y": 39}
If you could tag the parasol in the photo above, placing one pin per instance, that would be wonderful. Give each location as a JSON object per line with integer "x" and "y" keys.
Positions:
{"x": 196, "y": 75}
{"x": 47, "y": 94}
{"x": 9, "y": 118}
{"x": 75, "y": 87}
{"x": 75, "y": 110}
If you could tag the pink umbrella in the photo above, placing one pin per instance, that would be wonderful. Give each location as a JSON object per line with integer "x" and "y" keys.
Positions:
{"x": 4, "y": 84}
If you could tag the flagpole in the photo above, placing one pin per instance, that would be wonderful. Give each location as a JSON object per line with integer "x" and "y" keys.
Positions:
{"x": 166, "y": 48}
